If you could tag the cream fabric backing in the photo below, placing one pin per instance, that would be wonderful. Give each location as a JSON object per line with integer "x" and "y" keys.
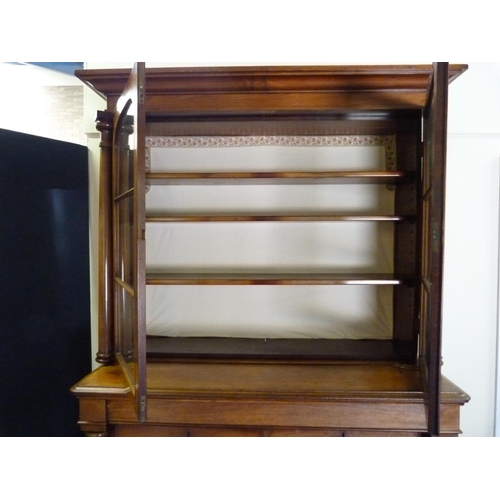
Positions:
{"x": 352, "y": 312}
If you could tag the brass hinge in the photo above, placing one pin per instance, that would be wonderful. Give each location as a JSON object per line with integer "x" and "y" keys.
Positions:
{"x": 436, "y": 236}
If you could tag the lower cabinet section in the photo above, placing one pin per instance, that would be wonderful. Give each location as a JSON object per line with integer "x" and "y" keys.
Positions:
{"x": 266, "y": 400}
{"x": 170, "y": 431}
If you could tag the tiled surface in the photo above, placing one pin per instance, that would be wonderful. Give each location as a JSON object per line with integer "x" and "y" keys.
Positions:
{"x": 63, "y": 110}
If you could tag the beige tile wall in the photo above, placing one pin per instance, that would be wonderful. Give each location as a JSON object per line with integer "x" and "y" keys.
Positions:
{"x": 63, "y": 110}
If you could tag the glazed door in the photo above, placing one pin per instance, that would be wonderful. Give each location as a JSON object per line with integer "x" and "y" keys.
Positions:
{"x": 128, "y": 187}
{"x": 433, "y": 199}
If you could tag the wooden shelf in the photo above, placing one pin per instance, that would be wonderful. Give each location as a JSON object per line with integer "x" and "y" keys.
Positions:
{"x": 201, "y": 178}
{"x": 278, "y": 218}
{"x": 276, "y": 279}
{"x": 277, "y": 349}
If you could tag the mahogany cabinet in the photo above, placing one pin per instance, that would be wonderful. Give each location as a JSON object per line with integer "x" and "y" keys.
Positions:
{"x": 271, "y": 245}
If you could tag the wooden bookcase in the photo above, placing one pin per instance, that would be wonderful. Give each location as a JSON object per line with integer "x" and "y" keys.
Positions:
{"x": 214, "y": 380}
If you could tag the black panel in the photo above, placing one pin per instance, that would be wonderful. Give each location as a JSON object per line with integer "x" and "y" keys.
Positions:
{"x": 44, "y": 275}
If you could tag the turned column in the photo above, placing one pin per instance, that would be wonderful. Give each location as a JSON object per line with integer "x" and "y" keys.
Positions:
{"x": 105, "y": 354}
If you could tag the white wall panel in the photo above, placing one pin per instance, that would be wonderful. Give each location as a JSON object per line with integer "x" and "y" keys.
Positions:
{"x": 471, "y": 244}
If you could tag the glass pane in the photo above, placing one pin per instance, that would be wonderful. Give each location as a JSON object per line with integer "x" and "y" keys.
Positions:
{"x": 125, "y": 315}
{"x": 125, "y": 241}
{"x": 128, "y": 189}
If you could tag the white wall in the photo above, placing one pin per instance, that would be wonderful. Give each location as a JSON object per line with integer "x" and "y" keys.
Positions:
{"x": 471, "y": 253}
{"x": 471, "y": 246}
{"x": 41, "y": 102}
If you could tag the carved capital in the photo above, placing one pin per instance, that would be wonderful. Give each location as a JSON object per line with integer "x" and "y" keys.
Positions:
{"x": 104, "y": 124}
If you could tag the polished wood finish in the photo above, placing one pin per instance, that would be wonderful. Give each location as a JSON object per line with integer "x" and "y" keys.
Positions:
{"x": 433, "y": 207}
{"x": 278, "y": 218}
{"x": 274, "y": 279}
{"x": 266, "y": 399}
{"x": 128, "y": 191}
{"x": 201, "y": 178}
{"x": 217, "y": 387}
{"x": 282, "y": 89}
{"x": 230, "y": 349}
{"x": 105, "y": 353}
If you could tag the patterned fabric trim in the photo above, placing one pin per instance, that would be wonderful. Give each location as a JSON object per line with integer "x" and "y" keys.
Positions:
{"x": 389, "y": 141}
